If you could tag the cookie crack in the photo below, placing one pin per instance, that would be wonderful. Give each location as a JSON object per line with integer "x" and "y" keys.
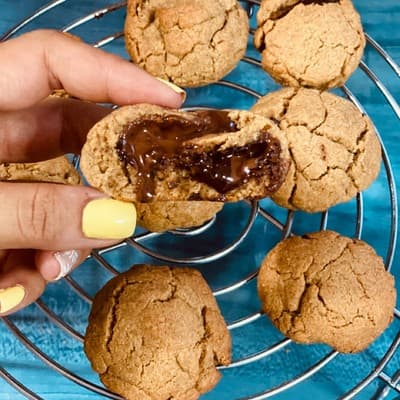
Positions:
{"x": 329, "y": 168}
{"x": 214, "y": 45}
{"x": 315, "y": 58}
{"x": 302, "y": 300}
{"x": 282, "y": 116}
{"x": 333, "y": 315}
{"x": 116, "y": 301}
{"x": 203, "y": 343}
{"x": 282, "y": 11}
{"x": 315, "y": 129}
{"x": 198, "y": 42}
{"x": 333, "y": 319}
{"x": 176, "y": 293}
{"x": 181, "y": 367}
{"x": 329, "y": 263}
{"x": 347, "y": 247}
{"x": 359, "y": 280}
{"x": 171, "y": 294}
{"x": 357, "y": 29}
{"x": 296, "y": 170}
{"x": 130, "y": 383}
{"x": 356, "y": 156}
{"x": 310, "y": 281}
{"x": 288, "y": 72}
{"x": 315, "y": 132}
{"x": 290, "y": 277}
{"x": 115, "y": 305}
{"x": 347, "y": 49}
{"x": 286, "y": 104}
{"x": 164, "y": 52}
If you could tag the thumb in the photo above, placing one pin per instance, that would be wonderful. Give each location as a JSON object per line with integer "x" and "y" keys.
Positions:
{"x": 57, "y": 217}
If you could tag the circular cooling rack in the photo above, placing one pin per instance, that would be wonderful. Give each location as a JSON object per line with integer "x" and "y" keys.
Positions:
{"x": 41, "y": 353}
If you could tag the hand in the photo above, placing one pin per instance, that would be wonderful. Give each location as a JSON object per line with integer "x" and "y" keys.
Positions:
{"x": 47, "y": 229}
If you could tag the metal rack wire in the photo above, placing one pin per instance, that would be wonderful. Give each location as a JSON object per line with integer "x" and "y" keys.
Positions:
{"x": 139, "y": 243}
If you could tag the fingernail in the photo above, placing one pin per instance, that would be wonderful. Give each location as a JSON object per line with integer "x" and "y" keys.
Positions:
{"x": 66, "y": 260}
{"x": 11, "y": 297}
{"x": 175, "y": 88}
{"x": 108, "y": 219}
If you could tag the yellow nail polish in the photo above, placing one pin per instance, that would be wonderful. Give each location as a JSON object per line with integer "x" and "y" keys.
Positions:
{"x": 108, "y": 219}
{"x": 174, "y": 87}
{"x": 11, "y": 297}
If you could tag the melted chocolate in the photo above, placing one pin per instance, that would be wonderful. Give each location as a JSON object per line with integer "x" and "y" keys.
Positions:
{"x": 149, "y": 144}
{"x": 228, "y": 169}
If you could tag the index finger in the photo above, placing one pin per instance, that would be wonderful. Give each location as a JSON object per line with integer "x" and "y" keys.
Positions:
{"x": 35, "y": 64}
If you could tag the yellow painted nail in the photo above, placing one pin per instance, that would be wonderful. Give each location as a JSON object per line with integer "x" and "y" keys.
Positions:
{"x": 108, "y": 219}
{"x": 11, "y": 297}
{"x": 174, "y": 87}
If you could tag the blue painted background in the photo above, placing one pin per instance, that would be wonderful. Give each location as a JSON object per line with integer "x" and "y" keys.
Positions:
{"x": 381, "y": 20}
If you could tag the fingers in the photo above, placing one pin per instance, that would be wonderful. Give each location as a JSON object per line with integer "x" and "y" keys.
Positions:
{"x": 59, "y": 217}
{"x": 56, "y": 61}
{"x": 55, "y": 265}
{"x": 20, "y": 283}
{"x": 46, "y": 130}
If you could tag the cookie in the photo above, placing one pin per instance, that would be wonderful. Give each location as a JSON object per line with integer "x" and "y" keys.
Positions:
{"x": 188, "y": 42}
{"x": 327, "y": 288}
{"x": 167, "y": 215}
{"x": 156, "y": 333}
{"x": 334, "y": 149}
{"x": 61, "y": 94}
{"x": 146, "y": 153}
{"x": 306, "y": 43}
{"x": 56, "y": 170}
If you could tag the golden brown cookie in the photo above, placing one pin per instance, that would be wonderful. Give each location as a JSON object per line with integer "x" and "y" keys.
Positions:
{"x": 60, "y": 94}
{"x": 167, "y": 215}
{"x": 315, "y": 44}
{"x": 156, "y": 333}
{"x": 56, "y": 170}
{"x": 188, "y": 42}
{"x": 146, "y": 153}
{"x": 327, "y": 288}
{"x": 334, "y": 149}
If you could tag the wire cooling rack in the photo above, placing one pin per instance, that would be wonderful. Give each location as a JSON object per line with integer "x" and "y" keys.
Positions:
{"x": 228, "y": 249}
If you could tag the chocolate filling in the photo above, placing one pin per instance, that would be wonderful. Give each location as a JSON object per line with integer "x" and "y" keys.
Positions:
{"x": 152, "y": 143}
{"x": 226, "y": 170}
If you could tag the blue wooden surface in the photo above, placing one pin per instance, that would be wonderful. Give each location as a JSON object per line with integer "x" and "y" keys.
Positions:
{"x": 381, "y": 20}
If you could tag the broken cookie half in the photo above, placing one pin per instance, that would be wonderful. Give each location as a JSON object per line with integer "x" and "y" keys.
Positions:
{"x": 147, "y": 153}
